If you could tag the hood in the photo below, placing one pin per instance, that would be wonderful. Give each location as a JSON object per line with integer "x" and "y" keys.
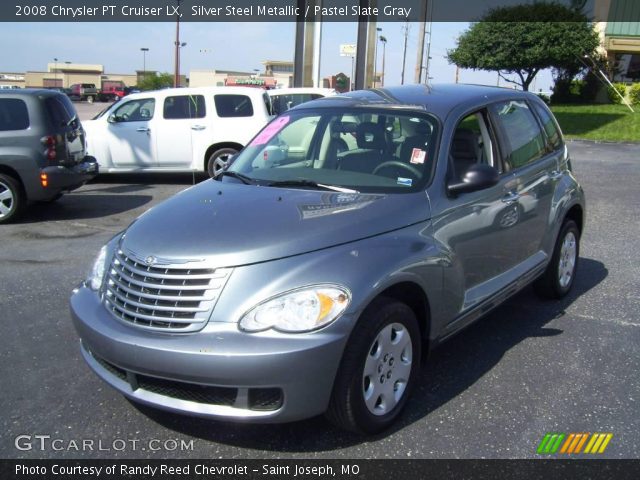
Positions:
{"x": 233, "y": 224}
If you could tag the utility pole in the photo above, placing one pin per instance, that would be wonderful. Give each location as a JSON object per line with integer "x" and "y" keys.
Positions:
{"x": 375, "y": 60}
{"x": 404, "y": 52}
{"x": 457, "y": 73}
{"x": 421, "y": 35}
{"x": 384, "y": 50}
{"x": 176, "y": 76}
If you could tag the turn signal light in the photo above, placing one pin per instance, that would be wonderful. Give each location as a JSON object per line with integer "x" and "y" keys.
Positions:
{"x": 44, "y": 180}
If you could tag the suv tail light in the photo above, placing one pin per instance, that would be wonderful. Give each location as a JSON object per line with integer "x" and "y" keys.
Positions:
{"x": 50, "y": 142}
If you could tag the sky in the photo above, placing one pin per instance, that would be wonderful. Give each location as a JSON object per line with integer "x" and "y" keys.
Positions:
{"x": 225, "y": 46}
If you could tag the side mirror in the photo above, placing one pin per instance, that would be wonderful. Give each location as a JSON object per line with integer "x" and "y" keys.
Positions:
{"x": 477, "y": 177}
{"x": 112, "y": 118}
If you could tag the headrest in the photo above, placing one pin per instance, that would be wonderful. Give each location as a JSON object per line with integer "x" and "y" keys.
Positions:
{"x": 371, "y": 136}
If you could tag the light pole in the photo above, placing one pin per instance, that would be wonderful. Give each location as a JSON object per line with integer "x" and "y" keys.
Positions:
{"x": 384, "y": 50}
{"x": 375, "y": 60}
{"x": 55, "y": 72}
{"x": 178, "y": 45}
{"x": 144, "y": 51}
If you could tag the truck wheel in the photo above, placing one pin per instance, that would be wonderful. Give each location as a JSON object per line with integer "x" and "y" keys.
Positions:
{"x": 557, "y": 279}
{"x": 378, "y": 370}
{"x": 116, "y": 98}
{"x": 90, "y": 99}
{"x": 12, "y": 199}
{"x": 219, "y": 160}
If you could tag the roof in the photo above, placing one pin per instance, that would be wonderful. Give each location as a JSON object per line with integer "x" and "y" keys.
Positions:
{"x": 249, "y": 91}
{"x": 437, "y": 99}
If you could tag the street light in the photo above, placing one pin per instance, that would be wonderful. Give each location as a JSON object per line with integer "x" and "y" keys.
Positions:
{"x": 55, "y": 72}
{"x": 144, "y": 51}
{"x": 375, "y": 58}
{"x": 384, "y": 50}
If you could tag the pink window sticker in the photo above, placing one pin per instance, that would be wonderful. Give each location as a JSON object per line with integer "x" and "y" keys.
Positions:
{"x": 418, "y": 156}
{"x": 270, "y": 130}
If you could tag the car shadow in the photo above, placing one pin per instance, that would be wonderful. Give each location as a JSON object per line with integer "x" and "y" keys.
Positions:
{"x": 451, "y": 369}
{"x": 78, "y": 206}
{"x": 189, "y": 178}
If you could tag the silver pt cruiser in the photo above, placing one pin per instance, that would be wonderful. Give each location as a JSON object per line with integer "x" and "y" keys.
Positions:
{"x": 352, "y": 235}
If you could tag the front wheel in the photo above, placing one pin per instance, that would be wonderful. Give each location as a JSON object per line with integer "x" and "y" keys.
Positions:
{"x": 558, "y": 278}
{"x": 90, "y": 99}
{"x": 378, "y": 370}
{"x": 219, "y": 161}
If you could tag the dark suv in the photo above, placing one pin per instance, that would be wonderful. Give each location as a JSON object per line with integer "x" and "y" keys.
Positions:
{"x": 42, "y": 149}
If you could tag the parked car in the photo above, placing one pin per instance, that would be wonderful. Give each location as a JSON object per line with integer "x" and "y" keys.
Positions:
{"x": 283, "y": 99}
{"x": 42, "y": 152}
{"x": 84, "y": 92}
{"x": 185, "y": 129}
{"x": 315, "y": 273}
{"x": 111, "y": 92}
{"x": 66, "y": 91}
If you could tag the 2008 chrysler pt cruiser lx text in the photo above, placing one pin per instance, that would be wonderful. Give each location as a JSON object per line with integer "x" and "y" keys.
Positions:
{"x": 351, "y": 235}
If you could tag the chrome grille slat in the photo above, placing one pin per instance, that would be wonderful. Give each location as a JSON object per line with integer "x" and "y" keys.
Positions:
{"x": 171, "y": 297}
{"x": 155, "y": 307}
{"x": 190, "y": 298}
{"x": 162, "y": 286}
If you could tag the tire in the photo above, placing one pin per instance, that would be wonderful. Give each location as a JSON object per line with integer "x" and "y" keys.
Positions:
{"x": 378, "y": 369}
{"x": 115, "y": 98}
{"x": 12, "y": 199}
{"x": 218, "y": 160}
{"x": 90, "y": 99}
{"x": 557, "y": 279}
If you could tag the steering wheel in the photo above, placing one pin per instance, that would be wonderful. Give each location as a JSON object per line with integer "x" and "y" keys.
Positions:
{"x": 395, "y": 163}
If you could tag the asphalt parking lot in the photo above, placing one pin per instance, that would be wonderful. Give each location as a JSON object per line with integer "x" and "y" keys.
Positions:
{"x": 494, "y": 391}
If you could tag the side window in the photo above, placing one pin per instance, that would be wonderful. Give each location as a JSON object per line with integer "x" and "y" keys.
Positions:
{"x": 184, "y": 106}
{"x": 13, "y": 114}
{"x": 549, "y": 125}
{"x": 233, "y": 106}
{"x": 140, "y": 110}
{"x": 523, "y": 138}
{"x": 471, "y": 145}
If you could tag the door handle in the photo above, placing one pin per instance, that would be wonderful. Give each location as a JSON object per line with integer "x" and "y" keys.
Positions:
{"x": 510, "y": 198}
{"x": 555, "y": 174}
{"x": 143, "y": 129}
{"x": 198, "y": 127}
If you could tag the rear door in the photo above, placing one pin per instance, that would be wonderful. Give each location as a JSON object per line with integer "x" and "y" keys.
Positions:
{"x": 527, "y": 156}
{"x": 182, "y": 126}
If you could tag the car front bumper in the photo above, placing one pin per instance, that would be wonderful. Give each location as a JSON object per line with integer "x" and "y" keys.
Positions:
{"x": 216, "y": 372}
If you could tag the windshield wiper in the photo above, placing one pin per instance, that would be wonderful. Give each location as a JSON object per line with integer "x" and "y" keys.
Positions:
{"x": 309, "y": 183}
{"x": 243, "y": 178}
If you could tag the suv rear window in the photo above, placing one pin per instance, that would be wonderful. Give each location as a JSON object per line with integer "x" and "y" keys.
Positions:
{"x": 60, "y": 110}
{"x": 233, "y": 106}
{"x": 13, "y": 114}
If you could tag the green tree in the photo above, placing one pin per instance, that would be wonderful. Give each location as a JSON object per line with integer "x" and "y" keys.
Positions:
{"x": 155, "y": 81}
{"x": 553, "y": 36}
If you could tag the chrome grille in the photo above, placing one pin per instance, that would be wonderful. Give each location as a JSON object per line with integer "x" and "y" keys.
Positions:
{"x": 162, "y": 297}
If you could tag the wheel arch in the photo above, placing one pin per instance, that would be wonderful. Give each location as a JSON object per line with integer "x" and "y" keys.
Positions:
{"x": 414, "y": 296}
{"x": 576, "y": 214}
{"x": 218, "y": 146}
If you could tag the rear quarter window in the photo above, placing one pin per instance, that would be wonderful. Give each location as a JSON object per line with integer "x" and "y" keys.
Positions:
{"x": 13, "y": 114}
{"x": 60, "y": 110}
{"x": 233, "y": 106}
{"x": 523, "y": 141}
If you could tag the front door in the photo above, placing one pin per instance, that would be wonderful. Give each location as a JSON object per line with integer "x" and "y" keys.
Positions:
{"x": 130, "y": 134}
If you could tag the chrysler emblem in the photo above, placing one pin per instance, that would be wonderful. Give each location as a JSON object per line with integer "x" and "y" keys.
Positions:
{"x": 150, "y": 260}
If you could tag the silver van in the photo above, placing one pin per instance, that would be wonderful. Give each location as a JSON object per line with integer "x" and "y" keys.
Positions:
{"x": 352, "y": 235}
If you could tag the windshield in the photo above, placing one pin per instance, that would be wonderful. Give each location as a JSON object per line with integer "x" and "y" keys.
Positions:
{"x": 363, "y": 150}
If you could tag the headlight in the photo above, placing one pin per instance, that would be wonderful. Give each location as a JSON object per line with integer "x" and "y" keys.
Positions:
{"x": 97, "y": 271}
{"x": 300, "y": 310}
